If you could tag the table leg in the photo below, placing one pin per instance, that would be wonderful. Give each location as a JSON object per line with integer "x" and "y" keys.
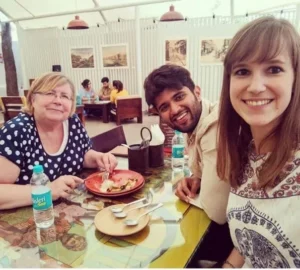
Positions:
{"x": 81, "y": 117}
{"x": 105, "y": 113}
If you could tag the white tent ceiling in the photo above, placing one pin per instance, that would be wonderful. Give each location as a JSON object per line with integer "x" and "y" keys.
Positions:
{"x": 14, "y": 9}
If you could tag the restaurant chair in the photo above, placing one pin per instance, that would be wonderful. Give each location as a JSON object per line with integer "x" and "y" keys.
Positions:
{"x": 31, "y": 81}
{"x": 108, "y": 140}
{"x": 26, "y": 93}
{"x": 129, "y": 107}
{"x": 12, "y": 106}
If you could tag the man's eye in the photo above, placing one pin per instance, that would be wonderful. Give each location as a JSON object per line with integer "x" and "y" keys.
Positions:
{"x": 163, "y": 108}
{"x": 275, "y": 70}
{"x": 179, "y": 97}
{"x": 241, "y": 72}
{"x": 50, "y": 94}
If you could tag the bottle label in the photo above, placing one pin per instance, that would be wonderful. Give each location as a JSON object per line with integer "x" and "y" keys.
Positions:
{"x": 42, "y": 201}
{"x": 177, "y": 151}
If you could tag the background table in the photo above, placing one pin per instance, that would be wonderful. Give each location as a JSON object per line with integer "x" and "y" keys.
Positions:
{"x": 100, "y": 105}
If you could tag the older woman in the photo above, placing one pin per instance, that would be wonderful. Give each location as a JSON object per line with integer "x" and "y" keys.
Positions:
{"x": 48, "y": 133}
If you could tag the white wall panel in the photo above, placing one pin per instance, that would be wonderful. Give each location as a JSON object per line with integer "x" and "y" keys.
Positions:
{"x": 43, "y": 48}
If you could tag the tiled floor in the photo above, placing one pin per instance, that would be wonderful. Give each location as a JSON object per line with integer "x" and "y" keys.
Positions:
{"x": 132, "y": 129}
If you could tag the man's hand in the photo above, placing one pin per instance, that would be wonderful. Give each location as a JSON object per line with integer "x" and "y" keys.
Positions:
{"x": 187, "y": 187}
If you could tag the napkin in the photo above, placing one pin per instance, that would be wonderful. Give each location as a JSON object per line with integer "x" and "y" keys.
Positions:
{"x": 166, "y": 196}
{"x": 158, "y": 136}
{"x": 196, "y": 201}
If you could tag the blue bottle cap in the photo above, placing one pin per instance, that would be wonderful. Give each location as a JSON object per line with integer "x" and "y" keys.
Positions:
{"x": 177, "y": 132}
{"x": 38, "y": 169}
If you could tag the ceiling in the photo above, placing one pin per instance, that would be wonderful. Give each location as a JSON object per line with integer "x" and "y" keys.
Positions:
{"x": 13, "y": 9}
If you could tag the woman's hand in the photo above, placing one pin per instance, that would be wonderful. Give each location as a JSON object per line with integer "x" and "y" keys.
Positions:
{"x": 106, "y": 161}
{"x": 94, "y": 159}
{"x": 63, "y": 186}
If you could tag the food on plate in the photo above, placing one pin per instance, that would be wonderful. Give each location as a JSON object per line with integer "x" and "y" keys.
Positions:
{"x": 117, "y": 185}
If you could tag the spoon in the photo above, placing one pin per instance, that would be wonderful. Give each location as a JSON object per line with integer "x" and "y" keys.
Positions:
{"x": 125, "y": 145}
{"x": 123, "y": 214}
{"x": 116, "y": 209}
{"x": 134, "y": 222}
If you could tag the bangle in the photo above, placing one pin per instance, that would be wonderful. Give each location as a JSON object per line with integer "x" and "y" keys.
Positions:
{"x": 229, "y": 263}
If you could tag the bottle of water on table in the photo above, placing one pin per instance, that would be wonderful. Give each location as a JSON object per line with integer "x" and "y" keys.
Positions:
{"x": 41, "y": 198}
{"x": 178, "y": 152}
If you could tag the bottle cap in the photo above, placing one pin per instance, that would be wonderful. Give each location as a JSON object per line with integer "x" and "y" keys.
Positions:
{"x": 177, "y": 132}
{"x": 38, "y": 169}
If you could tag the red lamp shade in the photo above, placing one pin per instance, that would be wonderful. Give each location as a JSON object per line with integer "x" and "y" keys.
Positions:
{"x": 171, "y": 15}
{"x": 77, "y": 24}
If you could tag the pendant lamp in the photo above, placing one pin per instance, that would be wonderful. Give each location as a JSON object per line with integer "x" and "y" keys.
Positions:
{"x": 77, "y": 24}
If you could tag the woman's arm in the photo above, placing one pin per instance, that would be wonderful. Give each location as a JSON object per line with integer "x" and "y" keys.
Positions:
{"x": 12, "y": 195}
{"x": 113, "y": 96}
{"x": 235, "y": 260}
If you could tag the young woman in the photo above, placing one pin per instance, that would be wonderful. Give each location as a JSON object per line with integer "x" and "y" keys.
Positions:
{"x": 118, "y": 91}
{"x": 86, "y": 92}
{"x": 258, "y": 144}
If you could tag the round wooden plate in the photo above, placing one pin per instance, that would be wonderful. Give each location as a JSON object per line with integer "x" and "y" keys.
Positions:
{"x": 94, "y": 181}
{"x": 107, "y": 223}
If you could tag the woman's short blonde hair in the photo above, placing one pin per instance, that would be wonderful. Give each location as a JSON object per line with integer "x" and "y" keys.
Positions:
{"x": 46, "y": 83}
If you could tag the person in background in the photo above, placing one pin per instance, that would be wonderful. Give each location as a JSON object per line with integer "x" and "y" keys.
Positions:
{"x": 259, "y": 144}
{"x": 104, "y": 93}
{"x": 118, "y": 91}
{"x": 50, "y": 134}
{"x": 171, "y": 91}
{"x": 86, "y": 92}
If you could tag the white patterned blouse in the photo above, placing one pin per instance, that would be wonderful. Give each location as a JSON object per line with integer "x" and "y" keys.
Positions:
{"x": 265, "y": 224}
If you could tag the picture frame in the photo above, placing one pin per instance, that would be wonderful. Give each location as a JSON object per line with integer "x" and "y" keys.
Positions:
{"x": 83, "y": 57}
{"x": 176, "y": 51}
{"x": 115, "y": 56}
{"x": 213, "y": 50}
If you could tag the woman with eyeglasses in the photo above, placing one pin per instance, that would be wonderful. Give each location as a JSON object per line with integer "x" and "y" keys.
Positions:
{"x": 50, "y": 134}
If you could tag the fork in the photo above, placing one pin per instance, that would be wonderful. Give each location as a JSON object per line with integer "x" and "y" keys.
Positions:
{"x": 105, "y": 175}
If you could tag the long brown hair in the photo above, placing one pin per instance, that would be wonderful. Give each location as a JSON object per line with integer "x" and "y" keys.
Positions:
{"x": 259, "y": 41}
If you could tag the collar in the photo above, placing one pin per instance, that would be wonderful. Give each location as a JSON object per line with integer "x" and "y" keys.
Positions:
{"x": 206, "y": 119}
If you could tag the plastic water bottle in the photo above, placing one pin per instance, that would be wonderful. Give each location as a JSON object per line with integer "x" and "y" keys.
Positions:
{"x": 178, "y": 152}
{"x": 187, "y": 172}
{"x": 41, "y": 198}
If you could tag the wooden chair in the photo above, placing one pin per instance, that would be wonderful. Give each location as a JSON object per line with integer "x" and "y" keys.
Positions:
{"x": 108, "y": 140}
{"x": 129, "y": 107}
{"x": 31, "y": 81}
{"x": 26, "y": 93}
{"x": 12, "y": 107}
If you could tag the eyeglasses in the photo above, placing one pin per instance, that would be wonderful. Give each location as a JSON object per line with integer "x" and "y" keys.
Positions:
{"x": 51, "y": 95}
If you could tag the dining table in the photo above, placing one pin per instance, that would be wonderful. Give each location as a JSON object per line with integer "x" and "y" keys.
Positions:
{"x": 103, "y": 105}
{"x": 170, "y": 239}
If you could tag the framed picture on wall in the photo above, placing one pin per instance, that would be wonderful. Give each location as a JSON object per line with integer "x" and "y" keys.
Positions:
{"x": 115, "y": 56}
{"x": 214, "y": 50}
{"x": 82, "y": 57}
{"x": 175, "y": 52}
